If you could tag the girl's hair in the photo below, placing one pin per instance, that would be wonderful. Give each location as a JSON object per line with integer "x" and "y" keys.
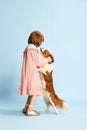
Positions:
{"x": 36, "y": 38}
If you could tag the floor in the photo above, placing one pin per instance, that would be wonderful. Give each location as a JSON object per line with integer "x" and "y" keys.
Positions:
{"x": 11, "y": 117}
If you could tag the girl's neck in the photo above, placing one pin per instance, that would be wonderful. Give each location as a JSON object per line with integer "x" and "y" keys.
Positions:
{"x": 32, "y": 46}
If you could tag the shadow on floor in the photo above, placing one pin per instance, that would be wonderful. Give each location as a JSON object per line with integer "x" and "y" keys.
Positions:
{"x": 11, "y": 112}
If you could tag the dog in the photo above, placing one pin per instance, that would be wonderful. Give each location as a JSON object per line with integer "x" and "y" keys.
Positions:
{"x": 50, "y": 97}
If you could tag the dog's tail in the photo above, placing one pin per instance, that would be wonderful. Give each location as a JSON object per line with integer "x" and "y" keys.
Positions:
{"x": 60, "y": 103}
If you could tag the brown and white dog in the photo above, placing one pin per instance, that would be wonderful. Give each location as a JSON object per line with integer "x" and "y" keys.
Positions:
{"x": 50, "y": 97}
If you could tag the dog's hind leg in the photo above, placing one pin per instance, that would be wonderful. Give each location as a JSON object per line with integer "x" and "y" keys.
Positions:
{"x": 48, "y": 106}
{"x": 57, "y": 112}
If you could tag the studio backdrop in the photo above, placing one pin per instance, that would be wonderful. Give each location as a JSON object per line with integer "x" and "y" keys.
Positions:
{"x": 64, "y": 26}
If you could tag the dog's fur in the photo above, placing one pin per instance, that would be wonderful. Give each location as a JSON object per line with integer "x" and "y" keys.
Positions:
{"x": 50, "y": 96}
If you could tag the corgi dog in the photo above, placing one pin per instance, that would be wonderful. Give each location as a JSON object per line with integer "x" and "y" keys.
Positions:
{"x": 50, "y": 97}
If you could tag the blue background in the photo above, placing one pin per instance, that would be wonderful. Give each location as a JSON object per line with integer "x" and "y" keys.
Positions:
{"x": 64, "y": 25}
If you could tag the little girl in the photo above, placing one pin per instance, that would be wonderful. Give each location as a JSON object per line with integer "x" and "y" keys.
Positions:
{"x": 30, "y": 84}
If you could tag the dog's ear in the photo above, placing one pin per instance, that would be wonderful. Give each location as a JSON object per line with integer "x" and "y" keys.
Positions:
{"x": 52, "y": 59}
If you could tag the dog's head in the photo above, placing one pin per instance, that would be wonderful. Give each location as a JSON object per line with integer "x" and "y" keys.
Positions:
{"x": 46, "y": 53}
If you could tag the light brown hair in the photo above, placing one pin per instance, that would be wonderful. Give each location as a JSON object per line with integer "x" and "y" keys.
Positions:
{"x": 36, "y": 38}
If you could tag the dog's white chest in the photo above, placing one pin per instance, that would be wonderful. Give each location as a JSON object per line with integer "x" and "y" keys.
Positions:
{"x": 48, "y": 67}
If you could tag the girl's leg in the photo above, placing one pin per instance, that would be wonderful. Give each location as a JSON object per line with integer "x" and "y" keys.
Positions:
{"x": 32, "y": 100}
{"x": 27, "y": 104}
{"x": 30, "y": 103}
{"x": 28, "y": 100}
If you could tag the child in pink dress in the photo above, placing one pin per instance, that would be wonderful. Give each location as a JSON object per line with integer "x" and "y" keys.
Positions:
{"x": 30, "y": 84}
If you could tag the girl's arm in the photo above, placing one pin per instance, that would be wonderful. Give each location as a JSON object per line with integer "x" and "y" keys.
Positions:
{"x": 39, "y": 63}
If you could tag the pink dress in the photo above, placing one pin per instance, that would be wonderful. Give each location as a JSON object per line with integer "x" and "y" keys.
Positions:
{"x": 30, "y": 82}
